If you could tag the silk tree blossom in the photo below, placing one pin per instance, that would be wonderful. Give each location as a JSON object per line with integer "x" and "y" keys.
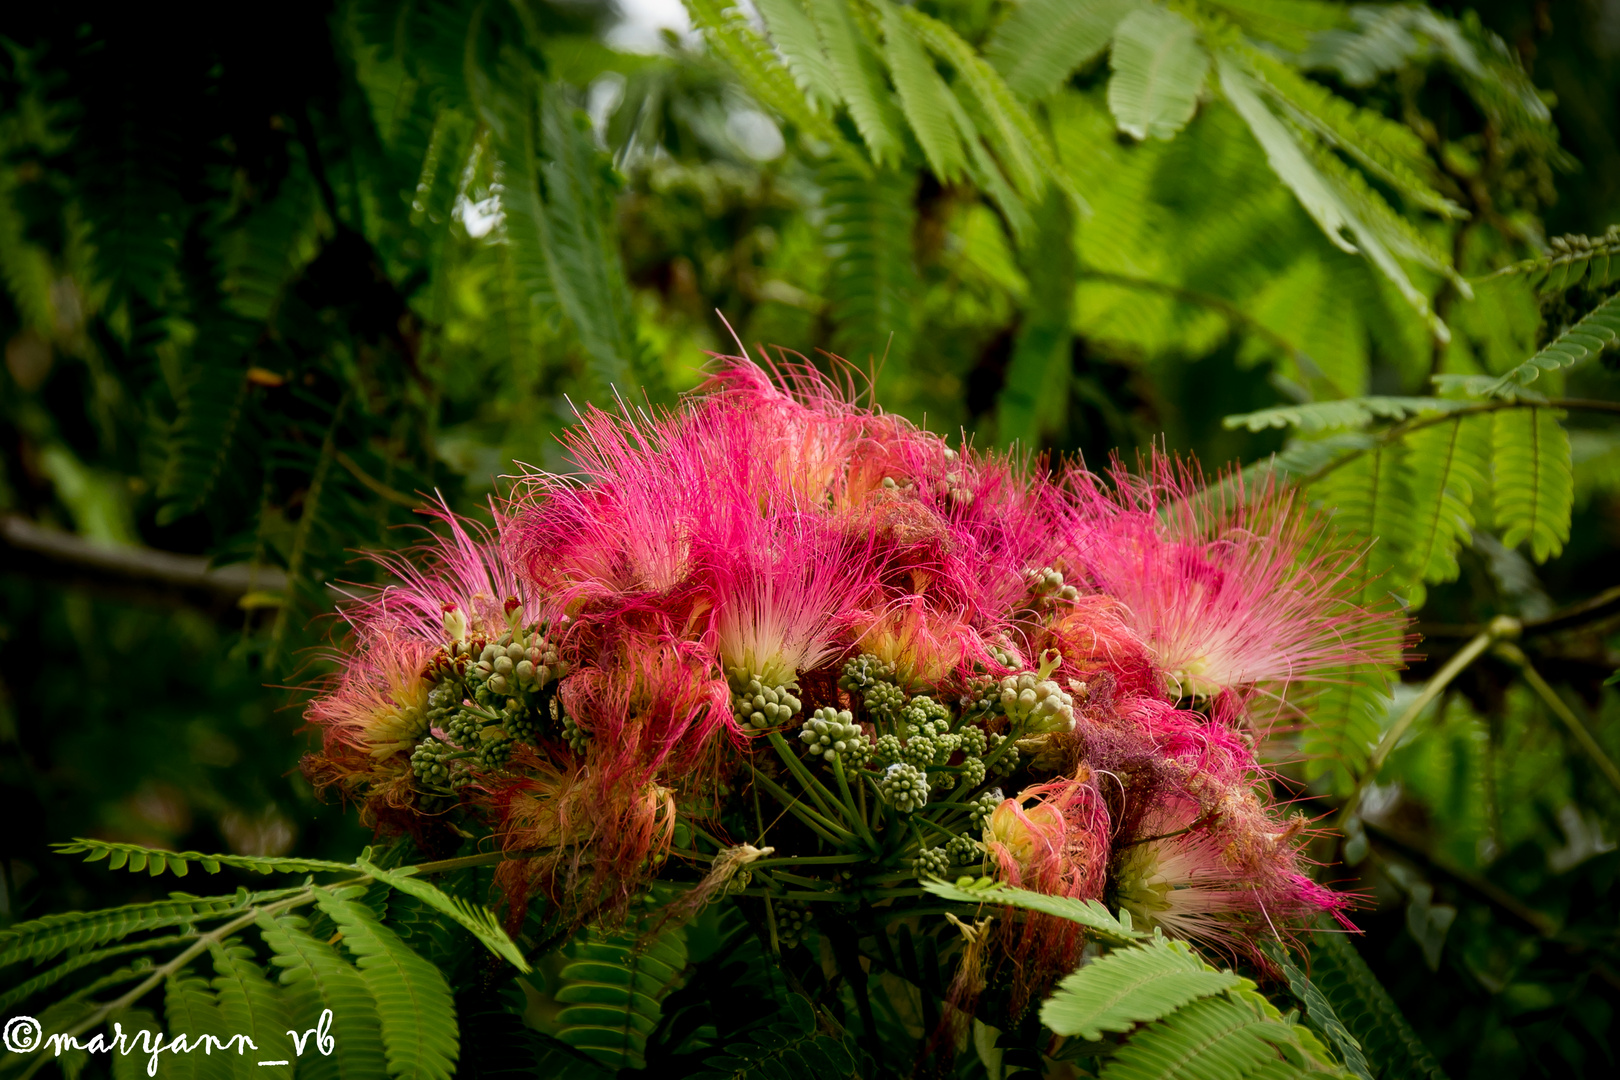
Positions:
{"x": 785, "y": 597}
{"x": 1220, "y": 870}
{"x": 1245, "y": 594}
{"x": 600, "y": 684}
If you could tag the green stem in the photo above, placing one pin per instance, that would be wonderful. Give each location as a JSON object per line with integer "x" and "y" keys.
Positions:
{"x": 829, "y": 830}
{"x": 815, "y": 787}
{"x": 809, "y": 860}
{"x": 1514, "y": 655}
{"x": 855, "y": 814}
{"x": 1500, "y": 627}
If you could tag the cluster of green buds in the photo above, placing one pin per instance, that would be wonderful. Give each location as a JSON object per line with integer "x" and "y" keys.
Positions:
{"x": 487, "y": 694}
{"x": 575, "y": 736}
{"x": 875, "y": 682}
{"x": 963, "y": 849}
{"x": 438, "y": 766}
{"x": 833, "y": 735}
{"x": 980, "y": 809}
{"x": 905, "y": 787}
{"x": 792, "y": 920}
{"x": 932, "y": 862}
{"x": 758, "y": 705}
{"x": 1035, "y": 703}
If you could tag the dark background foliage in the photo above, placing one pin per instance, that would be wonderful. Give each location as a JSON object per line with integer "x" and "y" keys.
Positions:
{"x": 253, "y": 311}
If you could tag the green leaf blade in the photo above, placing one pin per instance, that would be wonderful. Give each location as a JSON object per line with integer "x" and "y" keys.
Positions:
{"x": 1159, "y": 69}
{"x": 1131, "y": 986}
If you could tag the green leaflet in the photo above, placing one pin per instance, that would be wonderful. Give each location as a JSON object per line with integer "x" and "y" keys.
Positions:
{"x": 795, "y": 36}
{"x": 1232, "y": 1035}
{"x": 1041, "y": 43}
{"x": 859, "y": 79}
{"x": 416, "y": 1013}
{"x": 478, "y": 920}
{"x": 1344, "y": 413}
{"x": 872, "y": 279}
{"x": 612, "y": 987}
{"x": 1388, "y": 149}
{"x": 43, "y": 938}
{"x": 924, "y": 97}
{"x": 1319, "y": 1012}
{"x": 190, "y": 1008}
{"x": 1088, "y": 913}
{"x": 1035, "y": 395}
{"x": 1574, "y": 260}
{"x": 1533, "y": 480}
{"x": 1159, "y": 68}
{"x": 155, "y": 860}
{"x": 248, "y": 1005}
{"x": 211, "y": 395}
{"x": 1321, "y": 197}
{"x": 316, "y": 978}
{"x": 1448, "y": 468}
{"x": 1371, "y": 499}
{"x": 1130, "y": 986}
{"x": 1011, "y": 131}
{"x": 729, "y": 34}
{"x": 787, "y": 1047}
{"x": 1597, "y": 330}
{"x": 25, "y": 990}
{"x": 1343, "y": 724}
{"x": 1292, "y": 24}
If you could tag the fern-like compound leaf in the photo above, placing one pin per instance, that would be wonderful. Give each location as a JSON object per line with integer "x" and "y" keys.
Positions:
{"x": 1322, "y": 199}
{"x": 1533, "y": 480}
{"x": 751, "y": 57}
{"x": 1132, "y": 986}
{"x": 1449, "y": 467}
{"x": 40, "y": 939}
{"x": 1159, "y": 69}
{"x": 45, "y": 979}
{"x": 1597, "y": 330}
{"x": 1291, "y": 24}
{"x": 1571, "y": 261}
{"x": 789, "y": 1046}
{"x": 316, "y": 978}
{"x": 191, "y": 1009}
{"x": 872, "y": 279}
{"x": 1236, "y": 1034}
{"x": 612, "y": 989}
{"x": 1388, "y": 149}
{"x": 796, "y": 39}
{"x": 1024, "y": 153}
{"x": 924, "y": 97}
{"x": 1371, "y": 498}
{"x": 1344, "y": 413}
{"x": 859, "y": 77}
{"x": 477, "y": 920}
{"x": 1042, "y": 42}
{"x": 249, "y": 1003}
{"x": 1088, "y": 913}
{"x": 155, "y": 860}
{"x": 1368, "y": 1012}
{"x": 1319, "y": 1013}
{"x": 1343, "y": 725}
{"x": 415, "y": 1011}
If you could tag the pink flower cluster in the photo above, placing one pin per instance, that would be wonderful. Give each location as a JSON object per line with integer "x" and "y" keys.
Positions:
{"x": 603, "y": 670}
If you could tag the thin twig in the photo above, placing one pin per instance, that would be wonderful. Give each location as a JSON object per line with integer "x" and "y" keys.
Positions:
{"x": 1515, "y": 655}
{"x": 1502, "y": 626}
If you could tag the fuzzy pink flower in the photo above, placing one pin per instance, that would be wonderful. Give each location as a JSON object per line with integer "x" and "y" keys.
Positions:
{"x": 1231, "y": 593}
{"x": 1218, "y": 869}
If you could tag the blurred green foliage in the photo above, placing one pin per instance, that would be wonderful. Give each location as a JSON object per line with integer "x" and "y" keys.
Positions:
{"x": 270, "y": 280}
